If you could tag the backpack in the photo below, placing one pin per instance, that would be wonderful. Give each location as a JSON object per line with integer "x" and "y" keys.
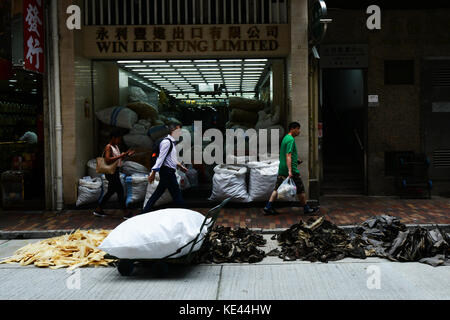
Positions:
{"x": 157, "y": 148}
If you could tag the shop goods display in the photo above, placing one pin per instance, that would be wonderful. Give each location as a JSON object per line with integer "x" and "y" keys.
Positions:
{"x": 229, "y": 182}
{"x": 105, "y": 188}
{"x": 158, "y": 132}
{"x": 136, "y": 94}
{"x": 131, "y": 167}
{"x": 144, "y": 110}
{"x": 246, "y": 104}
{"x": 89, "y": 190}
{"x": 138, "y": 141}
{"x": 192, "y": 175}
{"x": 136, "y": 186}
{"x": 156, "y": 235}
{"x": 92, "y": 168}
{"x": 224, "y": 244}
{"x": 72, "y": 251}
{"x": 386, "y": 237}
{"x": 266, "y": 120}
{"x": 139, "y": 129}
{"x": 263, "y": 177}
{"x": 165, "y": 198}
{"x": 317, "y": 240}
{"x": 118, "y": 117}
{"x": 287, "y": 191}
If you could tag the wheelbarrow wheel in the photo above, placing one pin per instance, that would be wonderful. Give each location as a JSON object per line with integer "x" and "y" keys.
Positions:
{"x": 160, "y": 269}
{"x": 125, "y": 267}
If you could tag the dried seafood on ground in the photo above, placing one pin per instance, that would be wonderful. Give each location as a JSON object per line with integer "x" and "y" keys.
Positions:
{"x": 71, "y": 251}
{"x": 224, "y": 244}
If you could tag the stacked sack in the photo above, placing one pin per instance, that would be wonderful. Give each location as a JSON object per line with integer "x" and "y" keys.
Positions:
{"x": 244, "y": 112}
{"x": 89, "y": 190}
{"x": 229, "y": 182}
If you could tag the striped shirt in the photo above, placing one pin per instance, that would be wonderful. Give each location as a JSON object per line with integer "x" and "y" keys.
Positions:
{"x": 171, "y": 160}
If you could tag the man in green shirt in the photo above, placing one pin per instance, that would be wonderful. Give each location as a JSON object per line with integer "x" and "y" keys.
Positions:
{"x": 289, "y": 169}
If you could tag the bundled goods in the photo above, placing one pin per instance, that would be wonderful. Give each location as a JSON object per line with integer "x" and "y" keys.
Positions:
{"x": 89, "y": 190}
{"x": 229, "y": 182}
{"x": 118, "y": 117}
{"x": 131, "y": 167}
{"x": 224, "y": 244}
{"x": 156, "y": 235}
{"x": 266, "y": 120}
{"x": 158, "y": 132}
{"x": 136, "y": 186}
{"x": 247, "y": 118}
{"x": 136, "y": 94}
{"x": 246, "y": 104}
{"x": 138, "y": 141}
{"x": 71, "y": 251}
{"x": 144, "y": 110}
{"x": 263, "y": 177}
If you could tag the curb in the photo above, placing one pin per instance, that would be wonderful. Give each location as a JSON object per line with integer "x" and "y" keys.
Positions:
{"x": 42, "y": 234}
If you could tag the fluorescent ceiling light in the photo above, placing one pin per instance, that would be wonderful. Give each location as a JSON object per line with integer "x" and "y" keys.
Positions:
{"x": 135, "y": 66}
{"x": 154, "y": 61}
{"x": 231, "y": 69}
{"x": 174, "y": 61}
{"x": 205, "y": 60}
{"x": 208, "y": 65}
{"x": 183, "y": 65}
{"x": 213, "y": 69}
{"x": 128, "y": 61}
{"x": 254, "y": 64}
{"x": 254, "y": 69}
{"x": 255, "y": 60}
{"x": 230, "y": 60}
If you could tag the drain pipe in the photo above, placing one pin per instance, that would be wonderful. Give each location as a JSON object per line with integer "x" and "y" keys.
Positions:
{"x": 57, "y": 106}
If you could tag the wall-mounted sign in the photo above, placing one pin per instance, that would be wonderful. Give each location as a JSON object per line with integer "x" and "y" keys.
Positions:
{"x": 176, "y": 41}
{"x": 33, "y": 35}
{"x": 344, "y": 56}
{"x": 373, "y": 100}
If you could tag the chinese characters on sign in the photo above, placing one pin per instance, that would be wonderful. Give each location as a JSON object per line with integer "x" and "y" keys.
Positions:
{"x": 175, "y": 40}
{"x": 344, "y": 56}
{"x": 33, "y": 33}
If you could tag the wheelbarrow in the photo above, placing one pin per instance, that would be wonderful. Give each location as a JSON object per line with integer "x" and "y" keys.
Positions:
{"x": 161, "y": 266}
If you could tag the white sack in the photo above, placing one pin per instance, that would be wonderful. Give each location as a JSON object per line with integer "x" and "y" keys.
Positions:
{"x": 131, "y": 167}
{"x": 89, "y": 190}
{"x": 165, "y": 198}
{"x": 263, "y": 178}
{"x": 118, "y": 117}
{"x": 136, "y": 188}
{"x": 156, "y": 235}
{"x": 192, "y": 176}
{"x": 136, "y": 94}
{"x": 229, "y": 182}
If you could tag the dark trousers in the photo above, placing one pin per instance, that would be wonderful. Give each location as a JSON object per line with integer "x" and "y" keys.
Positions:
{"x": 114, "y": 186}
{"x": 167, "y": 180}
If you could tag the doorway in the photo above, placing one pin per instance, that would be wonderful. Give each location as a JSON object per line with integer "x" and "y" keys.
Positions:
{"x": 344, "y": 117}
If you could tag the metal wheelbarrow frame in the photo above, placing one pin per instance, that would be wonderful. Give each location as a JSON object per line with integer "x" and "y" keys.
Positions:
{"x": 161, "y": 266}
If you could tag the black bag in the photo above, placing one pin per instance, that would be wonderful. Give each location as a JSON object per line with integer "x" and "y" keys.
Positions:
{"x": 157, "y": 148}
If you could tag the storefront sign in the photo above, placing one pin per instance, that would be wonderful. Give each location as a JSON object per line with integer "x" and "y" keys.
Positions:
{"x": 176, "y": 41}
{"x": 5, "y": 40}
{"x": 373, "y": 100}
{"x": 344, "y": 56}
{"x": 33, "y": 35}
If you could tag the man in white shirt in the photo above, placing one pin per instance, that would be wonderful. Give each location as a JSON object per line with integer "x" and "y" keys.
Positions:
{"x": 166, "y": 165}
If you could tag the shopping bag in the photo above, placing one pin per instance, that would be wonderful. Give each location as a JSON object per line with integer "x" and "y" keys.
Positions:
{"x": 287, "y": 191}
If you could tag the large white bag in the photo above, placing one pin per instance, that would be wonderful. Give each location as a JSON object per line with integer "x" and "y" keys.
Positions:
{"x": 165, "y": 198}
{"x": 156, "y": 235}
{"x": 105, "y": 184}
{"x": 229, "y": 182}
{"x": 118, "y": 117}
{"x": 136, "y": 188}
{"x": 89, "y": 190}
{"x": 263, "y": 178}
{"x": 131, "y": 167}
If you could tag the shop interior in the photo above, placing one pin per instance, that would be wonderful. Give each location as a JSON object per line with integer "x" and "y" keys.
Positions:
{"x": 222, "y": 93}
{"x": 22, "y": 167}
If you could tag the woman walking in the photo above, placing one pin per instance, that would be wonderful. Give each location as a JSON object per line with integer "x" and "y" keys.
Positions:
{"x": 113, "y": 154}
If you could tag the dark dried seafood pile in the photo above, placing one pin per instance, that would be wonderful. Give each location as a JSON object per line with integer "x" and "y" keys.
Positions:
{"x": 224, "y": 244}
{"x": 386, "y": 237}
{"x": 317, "y": 240}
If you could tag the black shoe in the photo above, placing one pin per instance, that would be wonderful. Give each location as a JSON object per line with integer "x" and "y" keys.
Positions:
{"x": 100, "y": 214}
{"x": 312, "y": 210}
{"x": 270, "y": 211}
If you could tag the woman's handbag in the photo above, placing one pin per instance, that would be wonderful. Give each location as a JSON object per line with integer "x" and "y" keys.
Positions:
{"x": 103, "y": 167}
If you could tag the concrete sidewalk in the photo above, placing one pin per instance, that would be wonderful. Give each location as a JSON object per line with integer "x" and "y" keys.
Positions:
{"x": 270, "y": 279}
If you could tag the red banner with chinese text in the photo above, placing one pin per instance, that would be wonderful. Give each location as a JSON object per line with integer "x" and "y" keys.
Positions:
{"x": 33, "y": 35}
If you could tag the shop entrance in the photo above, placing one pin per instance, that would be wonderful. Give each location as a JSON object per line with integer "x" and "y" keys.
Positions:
{"x": 229, "y": 93}
{"x": 344, "y": 131}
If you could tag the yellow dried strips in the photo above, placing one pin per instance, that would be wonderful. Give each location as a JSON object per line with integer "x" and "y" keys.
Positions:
{"x": 72, "y": 251}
